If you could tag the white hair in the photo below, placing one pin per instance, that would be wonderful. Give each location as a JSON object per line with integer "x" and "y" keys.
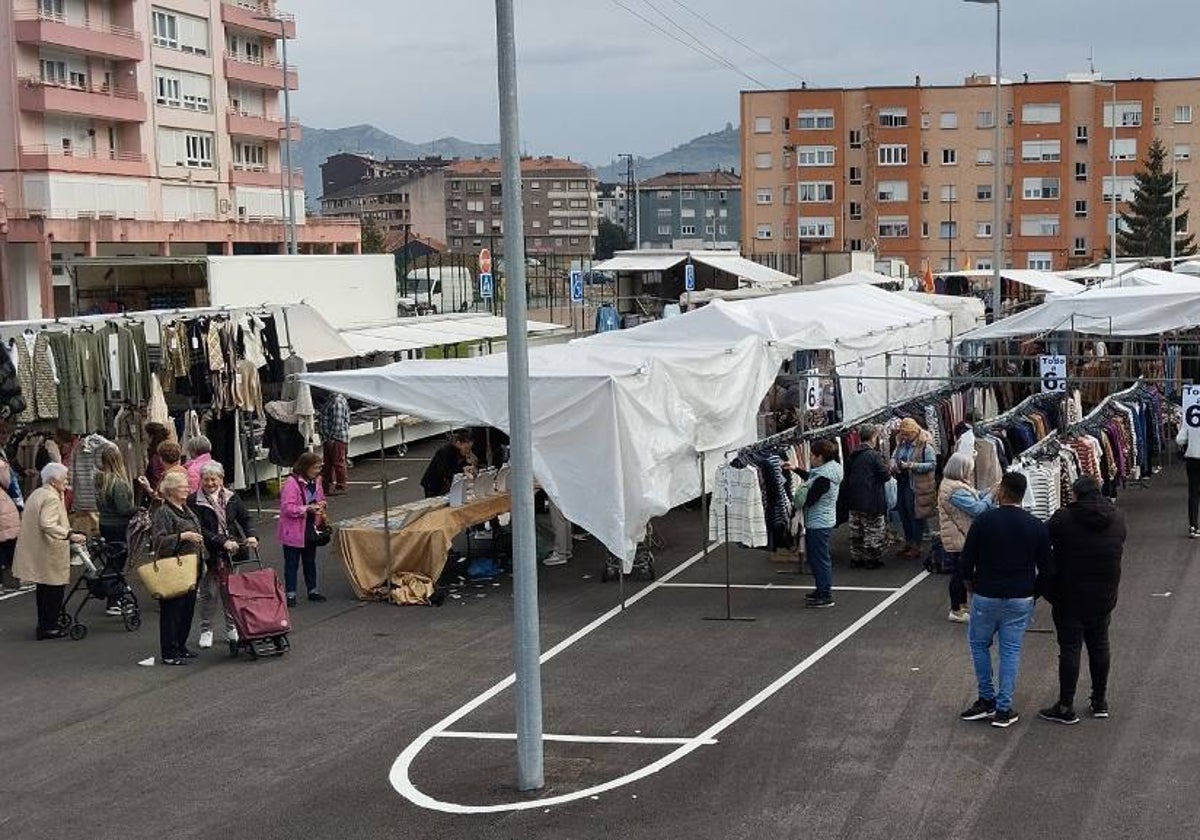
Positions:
{"x": 199, "y": 445}
{"x": 53, "y": 472}
{"x": 212, "y": 468}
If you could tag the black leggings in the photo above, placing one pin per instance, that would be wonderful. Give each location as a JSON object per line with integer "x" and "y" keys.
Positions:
{"x": 1193, "y": 475}
{"x": 49, "y": 605}
{"x": 1075, "y": 631}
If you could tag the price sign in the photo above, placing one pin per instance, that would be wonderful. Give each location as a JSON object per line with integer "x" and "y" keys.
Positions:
{"x": 858, "y": 386}
{"x": 929, "y": 360}
{"x": 1054, "y": 374}
{"x": 1191, "y": 406}
{"x": 812, "y": 391}
{"x": 904, "y": 370}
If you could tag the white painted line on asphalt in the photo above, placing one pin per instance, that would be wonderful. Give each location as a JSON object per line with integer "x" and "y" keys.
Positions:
{"x": 379, "y": 486}
{"x": 785, "y": 587}
{"x": 571, "y": 739}
{"x": 401, "y": 781}
{"x": 16, "y": 594}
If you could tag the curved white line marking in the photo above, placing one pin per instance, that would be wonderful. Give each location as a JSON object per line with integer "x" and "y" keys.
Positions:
{"x": 569, "y": 739}
{"x": 399, "y": 776}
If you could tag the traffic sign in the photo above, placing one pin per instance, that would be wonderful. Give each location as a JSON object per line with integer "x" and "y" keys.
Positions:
{"x": 1191, "y": 406}
{"x": 485, "y": 261}
{"x": 1054, "y": 374}
{"x": 486, "y": 289}
{"x": 576, "y": 287}
{"x": 689, "y": 278}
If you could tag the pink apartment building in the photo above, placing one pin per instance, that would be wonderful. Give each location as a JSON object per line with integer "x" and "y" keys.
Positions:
{"x": 142, "y": 128}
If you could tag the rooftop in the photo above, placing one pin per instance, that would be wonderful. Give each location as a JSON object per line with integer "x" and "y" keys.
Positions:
{"x": 717, "y": 179}
{"x": 529, "y": 166}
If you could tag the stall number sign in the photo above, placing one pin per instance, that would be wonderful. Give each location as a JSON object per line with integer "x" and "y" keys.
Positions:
{"x": 1054, "y": 374}
{"x": 904, "y": 367}
{"x": 1191, "y": 406}
{"x": 812, "y": 391}
{"x": 858, "y": 385}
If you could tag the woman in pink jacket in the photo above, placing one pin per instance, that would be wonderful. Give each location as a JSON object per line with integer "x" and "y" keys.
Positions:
{"x": 301, "y": 512}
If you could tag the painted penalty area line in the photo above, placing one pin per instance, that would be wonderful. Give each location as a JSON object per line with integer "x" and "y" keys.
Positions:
{"x": 573, "y": 739}
{"x": 783, "y": 587}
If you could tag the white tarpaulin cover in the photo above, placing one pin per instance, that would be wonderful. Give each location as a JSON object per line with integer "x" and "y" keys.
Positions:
{"x": 620, "y": 419}
{"x": 431, "y": 331}
{"x": 966, "y": 313}
{"x": 1043, "y": 281}
{"x": 753, "y": 273}
{"x": 641, "y": 261}
{"x": 1136, "y": 311}
{"x": 1148, "y": 277}
{"x": 863, "y": 278}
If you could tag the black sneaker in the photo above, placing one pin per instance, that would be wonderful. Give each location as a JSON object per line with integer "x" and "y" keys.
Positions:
{"x": 291, "y": 600}
{"x": 316, "y": 597}
{"x": 174, "y": 662}
{"x": 980, "y": 710}
{"x": 1099, "y": 708}
{"x": 811, "y": 596}
{"x": 1005, "y": 718}
{"x": 820, "y": 602}
{"x": 1058, "y": 713}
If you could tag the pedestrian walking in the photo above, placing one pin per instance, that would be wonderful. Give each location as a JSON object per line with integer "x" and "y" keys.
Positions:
{"x": 43, "y": 552}
{"x": 114, "y": 501}
{"x": 913, "y": 464}
{"x": 333, "y": 425}
{"x": 819, "y": 502}
{"x": 12, "y": 502}
{"x": 959, "y": 503}
{"x": 1087, "y": 539}
{"x": 862, "y": 500}
{"x": 301, "y": 514}
{"x": 1005, "y": 551}
{"x": 175, "y": 532}
{"x": 226, "y": 527}
{"x": 1188, "y": 440}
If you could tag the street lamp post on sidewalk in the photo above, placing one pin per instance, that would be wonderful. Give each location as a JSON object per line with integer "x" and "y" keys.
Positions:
{"x": 1112, "y": 156}
{"x": 287, "y": 128}
{"x": 999, "y": 161}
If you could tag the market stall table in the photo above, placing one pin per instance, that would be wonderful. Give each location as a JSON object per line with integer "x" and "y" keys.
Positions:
{"x": 420, "y": 537}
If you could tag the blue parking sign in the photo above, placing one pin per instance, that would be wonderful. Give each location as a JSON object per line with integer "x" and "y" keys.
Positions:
{"x": 689, "y": 278}
{"x": 485, "y": 286}
{"x": 576, "y": 287}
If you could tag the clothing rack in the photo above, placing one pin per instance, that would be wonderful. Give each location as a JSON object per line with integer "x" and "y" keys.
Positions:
{"x": 1049, "y": 446}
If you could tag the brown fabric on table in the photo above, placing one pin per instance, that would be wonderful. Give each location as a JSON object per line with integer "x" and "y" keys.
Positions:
{"x": 419, "y": 547}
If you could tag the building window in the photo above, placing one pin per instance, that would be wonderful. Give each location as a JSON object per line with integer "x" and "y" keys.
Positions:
{"x": 1040, "y": 189}
{"x": 856, "y": 176}
{"x": 762, "y": 125}
{"x": 893, "y": 155}
{"x": 1040, "y": 261}
{"x": 1183, "y": 151}
{"x": 687, "y": 213}
{"x": 893, "y": 227}
{"x": 948, "y": 120}
{"x": 687, "y": 195}
{"x": 856, "y": 138}
{"x": 892, "y": 191}
{"x": 985, "y": 119}
{"x": 948, "y": 230}
{"x": 985, "y": 157}
{"x": 949, "y": 157}
{"x": 475, "y": 206}
{"x": 168, "y": 88}
{"x": 815, "y": 192}
{"x": 711, "y": 212}
{"x": 924, "y": 193}
{"x": 1039, "y": 226}
{"x": 815, "y": 228}
{"x": 893, "y": 117}
{"x": 177, "y": 31}
{"x": 1183, "y": 114}
{"x": 664, "y": 212}
{"x": 763, "y": 196}
{"x": 763, "y": 232}
{"x": 1125, "y": 186}
{"x": 1128, "y": 114}
{"x": 1079, "y": 249}
{"x": 762, "y": 160}
{"x": 1122, "y": 149}
{"x": 687, "y": 230}
{"x": 455, "y": 186}
{"x": 949, "y": 194}
{"x": 1041, "y": 114}
{"x": 983, "y": 192}
{"x": 924, "y": 120}
{"x": 1041, "y": 151}
{"x": 535, "y": 185}
{"x": 983, "y": 230}
{"x": 856, "y": 212}
{"x": 1081, "y": 209}
{"x": 249, "y": 156}
{"x": 199, "y": 147}
{"x": 665, "y": 195}
{"x": 1081, "y": 173}
{"x": 181, "y": 89}
{"x": 1157, "y": 115}
{"x": 1081, "y": 135}
{"x": 166, "y": 30}
{"x": 924, "y": 157}
{"x": 815, "y": 155}
{"x": 664, "y": 230}
{"x": 856, "y": 244}
{"x": 815, "y": 120}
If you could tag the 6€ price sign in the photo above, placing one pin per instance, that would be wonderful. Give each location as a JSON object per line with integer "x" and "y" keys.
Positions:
{"x": 812, "y": 390}
{"x": 1191, "y": 406}
{"x": 1054, "y": 374}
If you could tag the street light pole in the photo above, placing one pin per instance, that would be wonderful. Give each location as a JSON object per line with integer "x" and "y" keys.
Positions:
{"x": 1112, "y": 154}
{"x": 999, "y": 158}
{"x": 287, "y": 177}
{"x": 1174, "y": 194}
{"x": 526, "y": 643}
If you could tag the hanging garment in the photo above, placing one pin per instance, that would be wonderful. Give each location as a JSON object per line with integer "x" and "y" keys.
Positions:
{"x": 93, "y": 370}
{"x": 282, "y": 437}
{"x": 37, "y": 374}
{"x": 71, "y": 414}
{"x": 85, "y": 459}
{"x": 251, "y": 340}
{"x": 221, "y": 430}
{"x": 607, "y": 319}
{"x": 191, "y": 429}
{"x": 131, "y": 441}
{"x": 248, "y": 387}
{"x": 271, "y": 349}
{"x": 156, "y": 408}
{"x": 12, "y": 400}
{"x": 301, "y": 394}
{"x": 738, "y": 494}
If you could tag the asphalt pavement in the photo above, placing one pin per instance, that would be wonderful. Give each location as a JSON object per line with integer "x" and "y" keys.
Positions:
{"x": 838, "y": 723}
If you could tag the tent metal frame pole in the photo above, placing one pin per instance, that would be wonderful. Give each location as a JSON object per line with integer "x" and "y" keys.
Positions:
{"x": 729, "y": 616}
{"x": 703, "y": 509}
{"x": 387, "y": 523}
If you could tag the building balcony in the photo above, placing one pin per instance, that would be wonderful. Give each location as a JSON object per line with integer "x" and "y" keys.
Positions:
{"x": 57, "y": 159}
{"x": 96, "y": 101}
{"x": 90, "y": 38}
{"x": 248, "y": 16}
{"x": 266, "y": 128}
{"x": 262, "y": 73}
{"x": 257, "y": 176}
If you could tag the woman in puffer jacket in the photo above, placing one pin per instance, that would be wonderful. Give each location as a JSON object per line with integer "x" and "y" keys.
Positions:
{"x": 958, "y": 505}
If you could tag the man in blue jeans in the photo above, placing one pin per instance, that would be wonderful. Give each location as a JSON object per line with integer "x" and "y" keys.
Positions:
{"x": 1004, "y": 553}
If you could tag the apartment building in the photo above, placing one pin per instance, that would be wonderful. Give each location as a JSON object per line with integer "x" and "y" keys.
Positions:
{"x": 403, "y": 197}
{"x": 560, "y": 203}
{"x": 613, "y": 203}
{"x": 142, "y": 127}
{"x": 908, "y": 172}
{"x": 691, "y": 211}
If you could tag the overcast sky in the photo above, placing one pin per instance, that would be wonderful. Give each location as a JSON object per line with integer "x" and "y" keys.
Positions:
{"x": 596, "y": 81}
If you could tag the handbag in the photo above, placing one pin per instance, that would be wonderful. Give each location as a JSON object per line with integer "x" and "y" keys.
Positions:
{"x": 170, "y": 577}
{"x": 317, "y": 533}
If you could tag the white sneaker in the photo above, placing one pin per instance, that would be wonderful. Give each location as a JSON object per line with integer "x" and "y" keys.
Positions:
{"x": 117, "y": 611}
{"x": 959, "y": 616}
{"x": 206, "y": 639}
{"x": 231, "y": 635}
{"x": 556, "y": 559}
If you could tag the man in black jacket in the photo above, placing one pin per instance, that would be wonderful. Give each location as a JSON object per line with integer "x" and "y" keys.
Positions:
{"x": 863, "y": 502}
{"x": 1088, "y": 539}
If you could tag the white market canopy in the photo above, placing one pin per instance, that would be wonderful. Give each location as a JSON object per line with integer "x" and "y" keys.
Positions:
{"x": 729, "y": 262}
{"x": 863, "y": 278}
{"x": 620, "y": 419}
{"x": 427, "y": 331}
{"x": 1127, "y": 312}
{"x": 1043, "y": 281}
{"x": 1190, "y": 268}
{"x": 1142, "y": 277}
{"x": 966, "y": 312}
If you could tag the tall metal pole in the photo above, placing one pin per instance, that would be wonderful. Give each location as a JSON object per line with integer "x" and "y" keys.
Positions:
{"x": 1001, "y": 160}
{"x": 1174, "y": 194}
{"x": 287, "y": 143}
{"x": 526, "y": 644}
{"x": 1112, "y": 238}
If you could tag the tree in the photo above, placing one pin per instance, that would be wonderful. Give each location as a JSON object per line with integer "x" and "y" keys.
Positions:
{"x": 372, "y": 237}
{"x": 1146, "y": 227}
{"x": 610, "y": 238}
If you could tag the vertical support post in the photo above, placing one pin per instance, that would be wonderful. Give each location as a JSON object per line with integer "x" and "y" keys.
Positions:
{"x": 1001, "y": 159}
{"x": 387, "y": 522}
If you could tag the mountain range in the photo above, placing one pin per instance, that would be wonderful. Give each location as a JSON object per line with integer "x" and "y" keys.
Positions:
{"x": 718, "y": 150}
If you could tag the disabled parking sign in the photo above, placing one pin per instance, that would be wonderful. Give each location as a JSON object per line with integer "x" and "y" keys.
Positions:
{"x": 486, "y": 287}
{"x": 576, "y": 287}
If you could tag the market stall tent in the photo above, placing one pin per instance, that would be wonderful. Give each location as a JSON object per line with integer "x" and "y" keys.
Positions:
{"x": 1041, "y": 281}
{"x": 966, "y": 313}
{"x": 1124, "y": 312}
{"x": 865, "y": 278}
{"x": 620, "y": 420}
